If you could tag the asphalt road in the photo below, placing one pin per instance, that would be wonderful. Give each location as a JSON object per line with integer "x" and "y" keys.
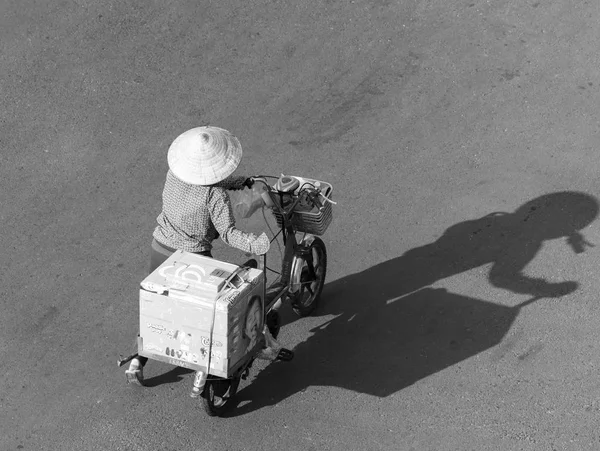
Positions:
{"x": 461, "y": 138}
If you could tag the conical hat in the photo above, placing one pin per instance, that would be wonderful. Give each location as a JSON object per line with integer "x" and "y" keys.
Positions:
{"x": 204, "y": 155}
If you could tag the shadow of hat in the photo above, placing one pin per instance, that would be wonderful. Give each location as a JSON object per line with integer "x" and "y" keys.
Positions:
{"x": 558, "y": 214}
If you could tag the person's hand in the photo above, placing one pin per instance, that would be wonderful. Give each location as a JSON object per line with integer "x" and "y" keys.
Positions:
{"x": 578, "y": 243}
{"x": 261, "y": 245}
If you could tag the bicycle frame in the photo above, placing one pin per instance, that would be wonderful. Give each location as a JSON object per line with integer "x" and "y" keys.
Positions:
{"x": 295, "y": 252}
{"x": 298, "y": 273}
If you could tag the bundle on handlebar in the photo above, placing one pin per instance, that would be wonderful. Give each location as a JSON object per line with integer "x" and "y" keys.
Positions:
{"x": 308, "y": 200}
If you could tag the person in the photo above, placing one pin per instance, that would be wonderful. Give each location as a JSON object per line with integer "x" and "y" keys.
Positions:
{"x": 196, "y": 208}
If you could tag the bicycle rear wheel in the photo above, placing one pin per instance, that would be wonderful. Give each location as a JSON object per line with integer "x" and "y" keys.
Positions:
{"x": 217, "y": 395}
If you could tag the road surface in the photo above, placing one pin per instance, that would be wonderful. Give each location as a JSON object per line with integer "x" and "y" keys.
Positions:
{"x": 461, "y": 138}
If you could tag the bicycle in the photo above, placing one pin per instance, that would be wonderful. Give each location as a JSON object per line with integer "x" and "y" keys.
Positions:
{"x": 303, "y": 210}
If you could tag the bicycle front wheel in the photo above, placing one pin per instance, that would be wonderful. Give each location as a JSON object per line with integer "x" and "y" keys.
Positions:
{"x": 312, "y": 279}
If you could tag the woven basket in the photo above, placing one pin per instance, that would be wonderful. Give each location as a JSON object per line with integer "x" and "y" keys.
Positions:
{"x": 315, "y": 221}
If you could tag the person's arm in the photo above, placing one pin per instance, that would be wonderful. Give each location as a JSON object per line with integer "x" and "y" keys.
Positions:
{"x": 221, "y": 215}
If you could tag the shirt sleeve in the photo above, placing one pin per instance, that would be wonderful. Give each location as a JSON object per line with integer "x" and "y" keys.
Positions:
{"x": 221, "y": 215}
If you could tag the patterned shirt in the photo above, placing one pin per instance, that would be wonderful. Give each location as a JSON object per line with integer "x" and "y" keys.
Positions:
{"x": 193, "y": 216}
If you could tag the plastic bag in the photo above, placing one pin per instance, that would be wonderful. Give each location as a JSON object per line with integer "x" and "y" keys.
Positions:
{"x": 247, "y": 201}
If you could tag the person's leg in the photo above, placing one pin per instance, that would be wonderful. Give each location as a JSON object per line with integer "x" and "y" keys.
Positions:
{"x": 158, "y": 254}
{"x": 199, "y": 376}
{"x": 135, "y": 372}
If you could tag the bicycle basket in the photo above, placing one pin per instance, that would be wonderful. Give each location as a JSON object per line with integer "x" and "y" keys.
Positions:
{"x": 315, "y": 221}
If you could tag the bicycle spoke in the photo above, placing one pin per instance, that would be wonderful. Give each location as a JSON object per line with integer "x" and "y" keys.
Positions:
{"x": 303, "y": 293}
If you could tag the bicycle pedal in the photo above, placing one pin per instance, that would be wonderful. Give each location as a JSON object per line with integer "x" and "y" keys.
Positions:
{"x": 246, "y": 372}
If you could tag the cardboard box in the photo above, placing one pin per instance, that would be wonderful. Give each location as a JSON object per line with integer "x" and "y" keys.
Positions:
{"x": 194, "y": 309}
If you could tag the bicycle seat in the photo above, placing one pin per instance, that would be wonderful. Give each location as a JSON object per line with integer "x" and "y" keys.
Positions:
{"x": 252, "y": 263}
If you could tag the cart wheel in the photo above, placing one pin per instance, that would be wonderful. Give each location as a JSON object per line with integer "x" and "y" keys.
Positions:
{"x": 274, "y": 323}
{"x": 217, "y": 394}
{"x": 305, "y": 300}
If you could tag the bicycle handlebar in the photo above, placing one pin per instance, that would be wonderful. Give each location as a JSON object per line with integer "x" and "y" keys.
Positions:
{"x": 306, "y": 190}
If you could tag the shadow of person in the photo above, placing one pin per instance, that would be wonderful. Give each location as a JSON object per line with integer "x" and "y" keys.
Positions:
{"x": 392, "y": 328}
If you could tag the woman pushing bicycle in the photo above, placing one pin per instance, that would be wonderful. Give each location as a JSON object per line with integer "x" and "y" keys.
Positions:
{"x": 196, "y": 208}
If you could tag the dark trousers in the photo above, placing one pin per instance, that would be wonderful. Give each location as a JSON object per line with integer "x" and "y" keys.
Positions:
{"x": 158, "y": 254}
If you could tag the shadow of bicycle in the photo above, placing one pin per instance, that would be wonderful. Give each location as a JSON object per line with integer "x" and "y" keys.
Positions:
{"x": 392, "y": 329}
{"x": 176, "y": 374}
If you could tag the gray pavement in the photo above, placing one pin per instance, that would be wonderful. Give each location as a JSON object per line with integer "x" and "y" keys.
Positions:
{"x": 461, "y": 310}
